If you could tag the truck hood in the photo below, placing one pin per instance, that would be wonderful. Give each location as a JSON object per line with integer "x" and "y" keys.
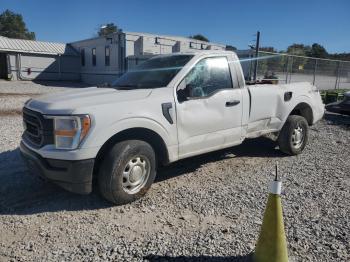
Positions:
{"x": 68, "y": 101}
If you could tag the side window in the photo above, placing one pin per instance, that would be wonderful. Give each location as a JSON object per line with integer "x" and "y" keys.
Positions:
{"x": 205, "y": 78}
{"x": 82, "y": 56}
{"x": 107, "y": 56}
{"x": 93, "y": 55}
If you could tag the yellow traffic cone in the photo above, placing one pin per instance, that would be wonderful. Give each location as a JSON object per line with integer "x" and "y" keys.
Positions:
{"x": 272, "y": 244}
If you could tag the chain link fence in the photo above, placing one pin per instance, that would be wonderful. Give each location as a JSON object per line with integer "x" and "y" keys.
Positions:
{"x": 324, "y": 73}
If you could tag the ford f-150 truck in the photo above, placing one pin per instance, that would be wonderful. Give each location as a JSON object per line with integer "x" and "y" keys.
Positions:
{"x": 168, "y": 108}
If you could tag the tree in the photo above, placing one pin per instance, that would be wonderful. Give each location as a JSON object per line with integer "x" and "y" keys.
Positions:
{"x": 107, "y": 29}
{"x": 341, "y": 56}
{"x": 318, "y": 51}
{"x": 299, "y": 63}
{"x": 13, "y": 26}
{"x": 199, "y": 37}
{"x": 298, "y": 49}
{"x": 269, "y": 63}
{"x": 268, "y": 49}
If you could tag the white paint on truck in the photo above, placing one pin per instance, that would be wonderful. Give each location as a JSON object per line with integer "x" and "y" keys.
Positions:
{"x": 209, "y": 117}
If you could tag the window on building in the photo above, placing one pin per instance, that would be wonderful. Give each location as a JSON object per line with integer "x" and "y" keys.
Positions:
{"x": 82, "y": 55}
{"x": 107, "y": 56}
{"x": 93, "y": 54}
{"x": 110, "y": 40}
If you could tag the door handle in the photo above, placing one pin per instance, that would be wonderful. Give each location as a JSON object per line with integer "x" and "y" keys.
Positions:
{"x": 232, "y": 103}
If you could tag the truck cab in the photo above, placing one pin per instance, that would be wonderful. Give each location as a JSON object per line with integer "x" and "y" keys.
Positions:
{"x": 168, "y": 108}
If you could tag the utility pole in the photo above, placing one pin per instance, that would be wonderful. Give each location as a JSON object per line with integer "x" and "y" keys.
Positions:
{"x": 257, "y": 45}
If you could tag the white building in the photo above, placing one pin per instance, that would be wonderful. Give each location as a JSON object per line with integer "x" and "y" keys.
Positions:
{"x": 94, "y": 61}
{"x": 105, "y": 58}
{"x": 28, "y": 60}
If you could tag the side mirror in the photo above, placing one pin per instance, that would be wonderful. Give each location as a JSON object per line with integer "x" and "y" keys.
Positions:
{"x": 184, "y": 93}
{"x": 181, "y": 95}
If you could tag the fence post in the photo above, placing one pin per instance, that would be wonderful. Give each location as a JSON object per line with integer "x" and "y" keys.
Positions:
{"x": 339, "y": 73}
{"x": 257, "y": 46}
{"x": 291, "y": 70}
{"x": 287, "y": 65}
{"x": 315, "y": 68}
{"x": 337, "y": 76}
{"x": 250, "y": 66}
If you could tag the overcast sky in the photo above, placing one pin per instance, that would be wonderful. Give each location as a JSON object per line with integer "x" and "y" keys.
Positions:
{"x": 229, "y": 22}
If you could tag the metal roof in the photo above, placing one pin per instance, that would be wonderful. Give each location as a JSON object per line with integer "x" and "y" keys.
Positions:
{"x": 35, "y": 47}
{"x": 174, "y": 38}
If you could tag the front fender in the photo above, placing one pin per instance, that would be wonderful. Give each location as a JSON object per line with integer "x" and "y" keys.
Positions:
{"x": 101, "y": 136}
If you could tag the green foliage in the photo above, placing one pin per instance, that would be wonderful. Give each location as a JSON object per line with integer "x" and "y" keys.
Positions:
{"x": 199, "y": 37}
{"x": 298, "y": 49}
{"x": 301, "y": 63}
{"x": 13, "y": 26}
{"x": 317, "y": 51}
{"x": 107, "y": 29}
{"x": 269, "y": 63}
{"x": 268, "y": 49}
{"x": 305, "y": 65}
{"x": 341, "y": 56}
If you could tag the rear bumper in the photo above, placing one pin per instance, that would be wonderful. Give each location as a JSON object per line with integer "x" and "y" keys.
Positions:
{"x": 72, "y": 175}
{"x": 318, "y": 108}
{"x": 319, "y": 113}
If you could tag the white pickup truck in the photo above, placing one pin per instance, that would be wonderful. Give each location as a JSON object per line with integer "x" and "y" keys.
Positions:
{"x": 169, "y": 108}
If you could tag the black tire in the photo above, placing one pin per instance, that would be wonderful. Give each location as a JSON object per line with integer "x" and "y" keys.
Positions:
{"x": 286, "y": 139}
{"x": 111, "y": 178}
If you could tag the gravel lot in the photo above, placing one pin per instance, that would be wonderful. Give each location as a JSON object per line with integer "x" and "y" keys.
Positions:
{"x": 204, "y": 208}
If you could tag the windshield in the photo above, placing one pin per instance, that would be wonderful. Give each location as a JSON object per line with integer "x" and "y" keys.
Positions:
{"x": 153, "y": 73}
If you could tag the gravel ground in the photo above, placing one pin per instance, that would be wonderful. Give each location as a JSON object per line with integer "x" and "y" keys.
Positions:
{"x": 14, "y": 94}
{"x": 204, "y": 208}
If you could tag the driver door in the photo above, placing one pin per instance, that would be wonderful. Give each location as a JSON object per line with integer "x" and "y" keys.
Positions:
{"x": 209, "y": 108}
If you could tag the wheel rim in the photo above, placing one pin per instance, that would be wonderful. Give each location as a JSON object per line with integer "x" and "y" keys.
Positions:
{"x": 135, "y": 174}
{"x": 298, "y": 137}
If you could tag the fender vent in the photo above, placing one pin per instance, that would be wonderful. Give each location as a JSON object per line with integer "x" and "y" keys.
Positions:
{"x": 288, "y": 96}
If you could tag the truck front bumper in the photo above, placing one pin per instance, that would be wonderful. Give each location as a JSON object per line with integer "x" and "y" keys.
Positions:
{"x": 72, "y": 175}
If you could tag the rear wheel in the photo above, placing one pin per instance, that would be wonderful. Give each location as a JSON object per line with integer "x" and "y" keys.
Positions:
{"x": 127, "y": 171}
{"x": 294, "y": 135}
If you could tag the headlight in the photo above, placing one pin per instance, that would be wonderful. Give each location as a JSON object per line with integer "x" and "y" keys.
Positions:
{"x": 69, "y": 131}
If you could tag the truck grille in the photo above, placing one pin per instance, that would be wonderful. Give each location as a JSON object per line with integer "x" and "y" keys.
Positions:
{"x": 38, "y": 130}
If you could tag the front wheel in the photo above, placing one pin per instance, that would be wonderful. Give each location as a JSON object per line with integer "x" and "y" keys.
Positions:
{"x": 294, "y": 135}
{"x": 127, "y": 172}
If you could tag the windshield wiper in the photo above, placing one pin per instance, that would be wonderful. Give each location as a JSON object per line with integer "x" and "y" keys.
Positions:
{"x": 126, "y": 87}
